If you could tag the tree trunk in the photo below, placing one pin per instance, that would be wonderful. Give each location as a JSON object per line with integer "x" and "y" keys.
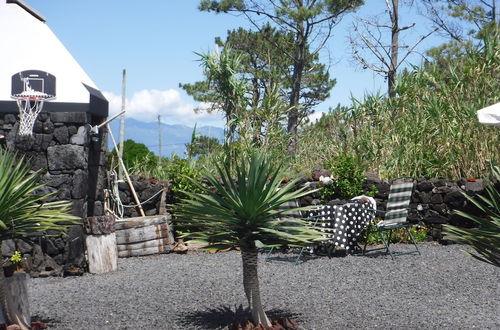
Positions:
{"x": 298, "y": 70}
{"x": 251, "y": 286}
{"x": 391, "y": 74}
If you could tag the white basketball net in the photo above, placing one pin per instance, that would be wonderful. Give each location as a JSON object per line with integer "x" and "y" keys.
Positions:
{"x": 30, "y": 105}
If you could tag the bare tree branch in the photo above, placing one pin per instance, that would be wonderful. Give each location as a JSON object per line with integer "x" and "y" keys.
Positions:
{"x": 410, "y": 50}
{"x": 386, "y": 59}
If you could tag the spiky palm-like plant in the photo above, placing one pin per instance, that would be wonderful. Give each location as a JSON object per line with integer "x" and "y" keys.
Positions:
{"x": 242, "y": 211}
{"x": 22, "y": 212}
{"x": 485, "y": 239}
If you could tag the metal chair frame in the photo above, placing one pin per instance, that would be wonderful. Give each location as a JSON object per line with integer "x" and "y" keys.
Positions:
{"x": 397, "y": 209}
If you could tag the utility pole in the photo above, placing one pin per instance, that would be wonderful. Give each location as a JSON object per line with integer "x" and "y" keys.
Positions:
{"x": 122, "y": 125}
{"x": 159, "y": 140}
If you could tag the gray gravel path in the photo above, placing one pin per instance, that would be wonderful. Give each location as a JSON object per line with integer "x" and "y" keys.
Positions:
{"x": 442, "y": 289}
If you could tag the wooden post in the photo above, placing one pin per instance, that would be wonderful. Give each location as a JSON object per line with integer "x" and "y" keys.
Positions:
{"x": 162, "y": 209}
{"x": 160, "y": 140}
{"x": 101, "y": 244}
{"x": 132, "y": 189}
{"x": 102, "y": 253}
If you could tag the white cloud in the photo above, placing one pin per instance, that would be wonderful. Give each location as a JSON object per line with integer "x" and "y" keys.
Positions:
{"x": 315, "y": 116}
{"x": 147, "y": 104}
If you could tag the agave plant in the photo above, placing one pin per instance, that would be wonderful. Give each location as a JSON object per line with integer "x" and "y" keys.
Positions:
{"x": 22, "y": 212}
{"x": 242, "y": 212}
{"x": 485, "y": 239}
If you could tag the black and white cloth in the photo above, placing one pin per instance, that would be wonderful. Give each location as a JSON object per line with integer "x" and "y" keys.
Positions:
{"x": 342, "y": 224}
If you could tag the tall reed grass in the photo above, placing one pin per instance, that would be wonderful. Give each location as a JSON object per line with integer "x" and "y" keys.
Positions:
{"x": 429, "y": 129}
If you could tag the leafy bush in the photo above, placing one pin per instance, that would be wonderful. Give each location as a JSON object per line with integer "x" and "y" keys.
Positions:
{"x": 179, "y": 171}
{"x": 399, "y": 235}
{"x": 347, "y": 175}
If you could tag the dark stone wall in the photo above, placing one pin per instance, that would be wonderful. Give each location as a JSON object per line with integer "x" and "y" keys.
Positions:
{"x": 148, "y": 191}
{"x": 73, "y": 164}
{"x": 432, "y": 203}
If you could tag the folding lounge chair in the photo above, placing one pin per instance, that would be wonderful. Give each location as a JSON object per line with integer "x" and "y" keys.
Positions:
{"x": 295, "y": 214}
{"x": 395, "y": 216}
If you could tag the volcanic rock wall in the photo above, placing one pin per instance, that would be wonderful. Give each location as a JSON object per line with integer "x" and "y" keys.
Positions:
{"x": 432, "y": 204}
{"x": 73, "y": 164}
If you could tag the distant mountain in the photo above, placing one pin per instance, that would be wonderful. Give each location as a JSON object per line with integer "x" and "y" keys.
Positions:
{"x": 174, "y": 138}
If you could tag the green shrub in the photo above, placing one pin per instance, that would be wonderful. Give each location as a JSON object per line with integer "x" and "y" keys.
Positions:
{"x": 179, "y": 171}
{"x": 347, "y": 175}
{"x": 399, "y": 235}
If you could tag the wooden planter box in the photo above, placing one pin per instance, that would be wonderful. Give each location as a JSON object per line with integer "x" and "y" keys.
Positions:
{"x": 144, "y": 235}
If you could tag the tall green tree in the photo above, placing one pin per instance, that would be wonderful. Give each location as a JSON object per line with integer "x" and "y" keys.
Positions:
{"x": 310, "y": 21}
{"x": 202, "y": 146}
{"x": 265, "y": 63}
{"x": 267, "y": 71}
{"x": 223, "y": 89}
{"x": 134, "y": 152}
{"x": 244, "y": 211}
{"x": 461, "y": 20}
{"x": 466, "y": 24}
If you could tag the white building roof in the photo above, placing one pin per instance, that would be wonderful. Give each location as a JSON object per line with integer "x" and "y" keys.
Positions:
{"x": 29, "y": 44}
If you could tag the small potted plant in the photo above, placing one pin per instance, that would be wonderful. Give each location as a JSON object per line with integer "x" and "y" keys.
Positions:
{"x": 16, "y": 259}
{"x": 15, "y": 266}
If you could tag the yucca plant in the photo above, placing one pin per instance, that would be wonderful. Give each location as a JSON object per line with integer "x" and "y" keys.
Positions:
{"x": 242, "y": 212}
{"x": 485, "y": 239}
{"x": 23, "y": 213}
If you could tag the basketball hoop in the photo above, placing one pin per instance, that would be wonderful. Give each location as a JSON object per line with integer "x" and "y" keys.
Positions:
{"x": 30, "y": 104}
{"x": 30, "y": 89}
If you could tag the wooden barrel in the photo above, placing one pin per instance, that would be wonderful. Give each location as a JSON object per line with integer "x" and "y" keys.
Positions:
{"x": 144, "y": 235}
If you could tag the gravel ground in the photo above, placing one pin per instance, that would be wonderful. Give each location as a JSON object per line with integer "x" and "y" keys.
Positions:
{"x": 441, "y": 289}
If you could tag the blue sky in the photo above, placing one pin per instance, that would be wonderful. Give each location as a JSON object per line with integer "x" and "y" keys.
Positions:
{"x": 155, "y": 41}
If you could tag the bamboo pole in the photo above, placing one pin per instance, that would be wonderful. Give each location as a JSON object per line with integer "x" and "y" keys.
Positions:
{"x": 136, "y": 199}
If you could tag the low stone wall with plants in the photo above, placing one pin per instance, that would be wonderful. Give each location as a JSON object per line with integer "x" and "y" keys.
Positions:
{"x": 149, "y": 193}
{"x": 432, "y": 203}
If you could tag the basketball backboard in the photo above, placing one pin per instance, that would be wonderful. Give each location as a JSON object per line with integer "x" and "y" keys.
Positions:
{"x": 33, "y": 81}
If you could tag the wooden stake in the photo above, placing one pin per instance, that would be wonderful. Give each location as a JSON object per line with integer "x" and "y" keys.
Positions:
{"x": 132, "y": 189}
